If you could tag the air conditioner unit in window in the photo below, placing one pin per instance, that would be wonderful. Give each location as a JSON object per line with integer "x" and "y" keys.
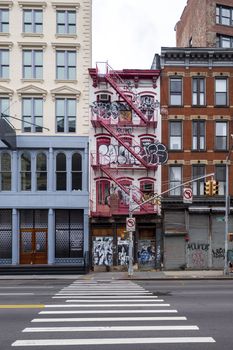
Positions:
{"x": 104, "y": 97}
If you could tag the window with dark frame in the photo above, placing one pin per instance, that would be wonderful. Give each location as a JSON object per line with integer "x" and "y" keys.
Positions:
{"x": 175, "y": 179}
{"x": 61, "y": 172}
{"x": 198, "y": 91}
{"x": 224, "y": 41}
{"x": 221, "y": 135}
{"x": 198, "y": 135}
{"x": 76, "y": 172}
{"x": 66, "y": 22}
{"x": 26, "y": 172}
{"x": 33, "y": 21}
{"x": 224, "y": 15}
{"x": 5, "y": 171}
{"x": 175, "y": 135}
{"x": 41, "y": 172}
{"x": 4, "y": 20}
{"x": 198, "y": 170}
{"x": 220, "y": 176}
{"x": 221, "y": 96}
{"x": 176, "y": 91}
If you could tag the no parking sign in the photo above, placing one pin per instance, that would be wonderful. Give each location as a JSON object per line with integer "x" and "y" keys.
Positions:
{"x": 187, "y": 195}
{"x": 130, "y": 224}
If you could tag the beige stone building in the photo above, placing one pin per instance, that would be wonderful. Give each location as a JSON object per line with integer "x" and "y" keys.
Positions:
{"x": 45, "y": 53}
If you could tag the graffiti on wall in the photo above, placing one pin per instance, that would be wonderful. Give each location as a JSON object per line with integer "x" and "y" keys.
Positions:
{"x": 102, "y": 251}
{"x": 123, "y": 251}
{"x": 218, "y": 253}
{"x": 146, "y": 253}
{"x": 152, "y": 153}
{"x": 198, "y": 255}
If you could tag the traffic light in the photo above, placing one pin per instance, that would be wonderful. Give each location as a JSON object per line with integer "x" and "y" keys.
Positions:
{"x": 214, "y": 187}
{"x": 208, "y": 188}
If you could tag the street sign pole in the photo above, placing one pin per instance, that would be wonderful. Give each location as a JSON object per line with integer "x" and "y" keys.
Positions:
{"x": 130, "y": 267}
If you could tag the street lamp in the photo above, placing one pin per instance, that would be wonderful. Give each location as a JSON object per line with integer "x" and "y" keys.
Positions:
{"x": 227, "y": 208}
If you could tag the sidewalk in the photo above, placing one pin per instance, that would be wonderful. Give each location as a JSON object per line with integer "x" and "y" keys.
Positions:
{"x": 137, "y": 275}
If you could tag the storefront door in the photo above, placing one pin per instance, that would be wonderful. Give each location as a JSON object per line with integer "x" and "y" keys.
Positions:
{"x": 33, "y": 246}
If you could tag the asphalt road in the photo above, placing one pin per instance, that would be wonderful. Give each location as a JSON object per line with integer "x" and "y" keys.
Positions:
{"x": 183, "y": 315}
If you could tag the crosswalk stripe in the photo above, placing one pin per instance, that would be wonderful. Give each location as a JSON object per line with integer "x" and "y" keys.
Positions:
{"x": 103, "y": 293}
{"x": 109, "y": 329}
{"x": 110, "y": 319}
{"x": 148, "y": 297}
{"x": 110, "y": 341}
{"x": 112, "y": 300}
{"x": 104, "y": 305}
{"x": 106, "y": 312}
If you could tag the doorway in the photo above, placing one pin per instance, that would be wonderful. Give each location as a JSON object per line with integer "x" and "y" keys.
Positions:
{"x": 33, "y": 246}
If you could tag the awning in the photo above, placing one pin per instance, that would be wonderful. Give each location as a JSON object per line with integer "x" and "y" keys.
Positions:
{"x": 7, "y": 134}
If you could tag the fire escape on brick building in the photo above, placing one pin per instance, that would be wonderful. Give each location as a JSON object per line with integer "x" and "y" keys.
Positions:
{"x": 145, "y": 154}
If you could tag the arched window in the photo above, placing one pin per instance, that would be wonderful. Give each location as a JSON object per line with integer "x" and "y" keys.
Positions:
{"x": 26, "y": 172}
{"x": 5, "y": 172}
{"x": 61, "y": 172}
{"x": 41, "y": 172}
{"x": 76, "y": 172}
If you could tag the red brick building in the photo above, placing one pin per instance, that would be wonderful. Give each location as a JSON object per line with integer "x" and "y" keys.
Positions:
{"x": 206, "y": 23}
{"x": 197, "y": 94}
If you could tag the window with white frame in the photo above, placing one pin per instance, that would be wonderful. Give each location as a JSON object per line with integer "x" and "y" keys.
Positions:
{"x": 32, "y": 114}
{"x": 221, "y": 135}
{"x": 66, "y": 115}
{"x": 198, "y": 91}
{"x": 198, "y": 170}
{"x": 220, "y": 176}
{"x": 175, "y": 135}
{"x": 33, "y": 21}
{"x": 5, "y": 171}
{"x": 176, "y": 91}
{"x": 4, "y": 63}
{"x": 32, "y": 64}
{"x": 198, "y": 135}
{"x": 66, "y": 22}
{"x": 65, "y": 65}
{"x": 221, "y": 91}
{"x": 4, "y": 20}
{"x": 175, "y": 179}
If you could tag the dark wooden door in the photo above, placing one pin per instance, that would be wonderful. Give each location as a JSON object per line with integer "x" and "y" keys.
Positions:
{"x": 33, "y": 246}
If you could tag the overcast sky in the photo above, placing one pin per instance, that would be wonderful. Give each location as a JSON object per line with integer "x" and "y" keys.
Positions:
{"x": 127, "y": 33}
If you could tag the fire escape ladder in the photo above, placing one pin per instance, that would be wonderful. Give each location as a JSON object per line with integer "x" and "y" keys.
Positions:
{"x": 136, "y": 197}
{"x": 119, "y": 139}
{"x": 112, "y": 78}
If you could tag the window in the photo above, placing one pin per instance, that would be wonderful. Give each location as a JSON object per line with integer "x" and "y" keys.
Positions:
{"x": 176, "y": 91}
{"x": 32, "y": 64}
{"x": 5, "y": 172}
{"x": 76, "y": 172}
{"x": 198, "y": 91}
{"x": 224, "y": 15}
{"x": 4, "y": 20}
{"x": 175, "y": 141}
{"x": 221, "y": 136}
{"x": 66, "y": 65}
{"x": 221, "y": 91}
{"x": 66, "y": 22}
{"x": 4, "y": 106}
{"x": 32, "y": 21}
{"x": 220, "y": 176}
{"x": 198, "y": 186}
{"x": 69, "y": 234}
{"x": 175, "y": 177}
{"x": 224, "y": 41}
{"x": 65, "y": 115}
{"x": 41, "y": 172}
{"x": 32, "y": 114}
{"x": 103, "y": 192}
{"x": 25, "y": 172}
{"x": 198, "y": 135}
{"x": 61, "y": 172}
{"x": 4, "y": 64}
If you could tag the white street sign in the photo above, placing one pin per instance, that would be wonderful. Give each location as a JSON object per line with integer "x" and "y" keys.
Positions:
{"x": 130, "y": 224}
{"x": 187, "y": 195}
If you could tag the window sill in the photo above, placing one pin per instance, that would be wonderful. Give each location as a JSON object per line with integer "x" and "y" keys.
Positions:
{"x": 221, "y": 106}
{"x": 32, "y": 81}
{"x": 57, "y": 81}
{"x": 175, "y": 150}
{"x": 4, "y": 34}
{"x": 71, "y": 36}
{"x": 4, "y": 80}
{"x": 34, "y": 35}
{"x": 199, "y": 106}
